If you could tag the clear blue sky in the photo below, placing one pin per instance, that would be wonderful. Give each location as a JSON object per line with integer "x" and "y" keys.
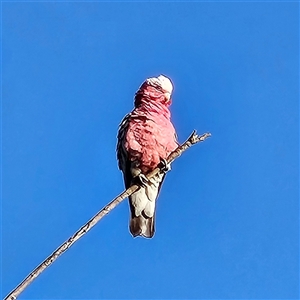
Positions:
{"x": 228, "y": 213}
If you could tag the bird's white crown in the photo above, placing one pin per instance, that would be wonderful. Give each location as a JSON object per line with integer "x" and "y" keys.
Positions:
{"x": 163, "y": 81}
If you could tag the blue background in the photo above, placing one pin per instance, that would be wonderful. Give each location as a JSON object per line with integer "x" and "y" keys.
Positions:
{"x": 228, "y": 213}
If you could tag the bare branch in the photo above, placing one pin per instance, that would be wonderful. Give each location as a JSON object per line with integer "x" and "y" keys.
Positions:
{"x": 193, "y": 139}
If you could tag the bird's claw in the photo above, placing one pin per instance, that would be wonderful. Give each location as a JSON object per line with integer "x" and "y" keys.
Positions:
{"x": 143, "y": 180}
{"x": 165, "y": 166}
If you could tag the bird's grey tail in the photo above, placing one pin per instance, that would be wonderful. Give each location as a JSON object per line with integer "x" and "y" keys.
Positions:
{"x": 141, "y": 225}
{"x": 142, "y": 207}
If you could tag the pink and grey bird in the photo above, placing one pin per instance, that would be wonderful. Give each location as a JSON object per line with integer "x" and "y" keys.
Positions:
{"x": 145, "y": 139}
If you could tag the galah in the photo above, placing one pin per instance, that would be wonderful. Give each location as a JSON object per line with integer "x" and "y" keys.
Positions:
{"x": 145, "y": 139}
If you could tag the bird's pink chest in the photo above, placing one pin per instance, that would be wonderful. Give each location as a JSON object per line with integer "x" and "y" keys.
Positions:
{"x": 150, "y": 137}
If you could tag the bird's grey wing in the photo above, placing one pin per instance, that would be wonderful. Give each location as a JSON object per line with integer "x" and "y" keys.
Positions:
{"x": 122, "y": 154}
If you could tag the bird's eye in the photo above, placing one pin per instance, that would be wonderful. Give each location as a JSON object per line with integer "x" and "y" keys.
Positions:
{"x": 159, "y": 88}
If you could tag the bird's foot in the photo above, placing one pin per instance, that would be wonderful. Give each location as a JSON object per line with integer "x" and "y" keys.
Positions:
{"x": 165, "y": 166}
{"x": 142, "y": 180}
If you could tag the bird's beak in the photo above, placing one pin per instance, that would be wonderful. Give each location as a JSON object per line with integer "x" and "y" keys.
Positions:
{"x": 168, "y": 97}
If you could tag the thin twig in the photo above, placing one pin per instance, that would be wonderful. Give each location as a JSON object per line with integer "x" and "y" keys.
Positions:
{"x": 193, "y": 139}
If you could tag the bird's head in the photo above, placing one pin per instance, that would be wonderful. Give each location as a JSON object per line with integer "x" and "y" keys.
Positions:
{"x": 162, "y": 83}
{"x": 156, "y": 88}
